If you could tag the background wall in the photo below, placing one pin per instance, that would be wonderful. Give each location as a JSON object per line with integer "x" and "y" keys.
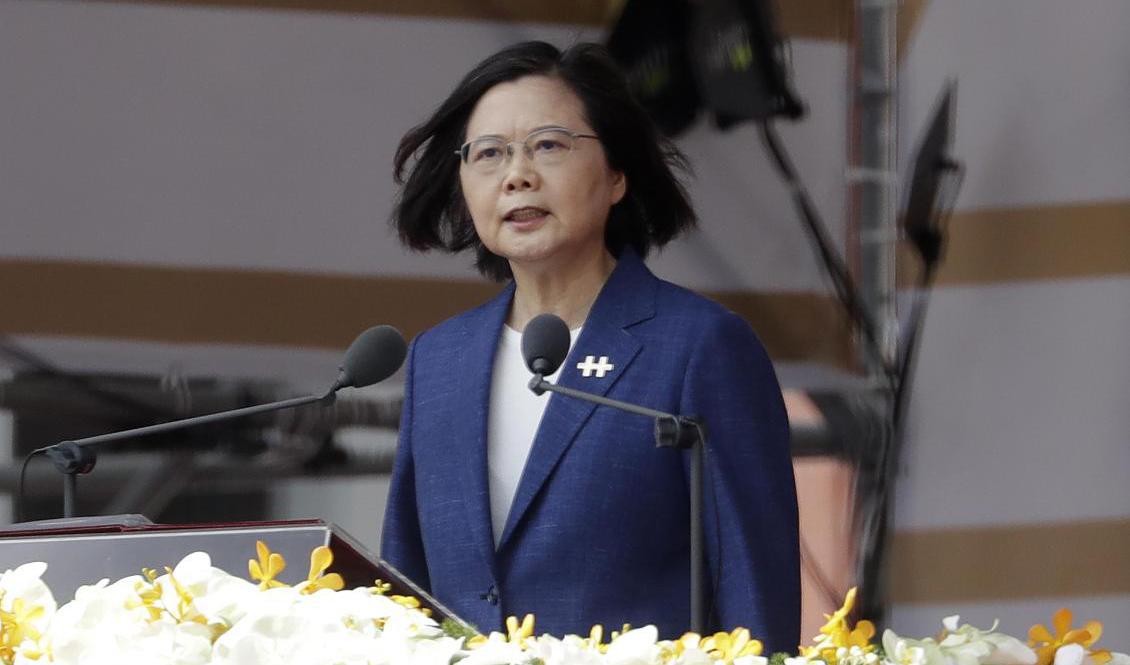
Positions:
{"x": 202, "y": 188}
{"x": 1013, "y": 501}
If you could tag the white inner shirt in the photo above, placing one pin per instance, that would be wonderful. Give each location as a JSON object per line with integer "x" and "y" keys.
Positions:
{"x": 512, "y": 422}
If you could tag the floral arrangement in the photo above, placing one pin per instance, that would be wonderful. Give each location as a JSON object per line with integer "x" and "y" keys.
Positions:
{"x": 196, "y": 614}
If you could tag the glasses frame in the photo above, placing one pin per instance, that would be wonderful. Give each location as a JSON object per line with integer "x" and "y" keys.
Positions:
{"x": 464, "y": 151}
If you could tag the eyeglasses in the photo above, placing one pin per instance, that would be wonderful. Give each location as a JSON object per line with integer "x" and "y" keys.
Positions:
{"x": 544, "y": 147}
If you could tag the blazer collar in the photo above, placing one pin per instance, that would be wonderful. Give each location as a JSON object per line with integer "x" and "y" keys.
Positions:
{"x": 627, "y": 298}
{"x": 479, "y": 342}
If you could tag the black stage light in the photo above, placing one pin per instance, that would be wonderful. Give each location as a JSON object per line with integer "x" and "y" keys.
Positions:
{"x": 649, "y": 42}
{"x": 739, "y": 62}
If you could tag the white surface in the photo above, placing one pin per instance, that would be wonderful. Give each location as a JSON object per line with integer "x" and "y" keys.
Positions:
{"x": 198, "y": 136}
{"x": 1041, "y": 99}
{"x": 1019, "y": 411}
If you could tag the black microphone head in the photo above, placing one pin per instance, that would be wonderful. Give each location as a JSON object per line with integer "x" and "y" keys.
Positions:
{"x": 545, "y": 343}
{"x": 374, "y": 356}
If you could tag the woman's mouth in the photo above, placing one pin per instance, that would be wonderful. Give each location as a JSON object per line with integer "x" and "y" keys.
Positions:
{"x": 525, "y": 216}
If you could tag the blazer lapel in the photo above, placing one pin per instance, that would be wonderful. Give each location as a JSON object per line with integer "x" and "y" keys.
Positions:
{"x": 479, "y": 344}
{"x": 627, "y": 298}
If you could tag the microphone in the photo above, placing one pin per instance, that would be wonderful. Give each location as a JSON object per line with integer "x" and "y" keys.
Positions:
{"x": 374, "y": 356}
{"x": 545, "y": 344}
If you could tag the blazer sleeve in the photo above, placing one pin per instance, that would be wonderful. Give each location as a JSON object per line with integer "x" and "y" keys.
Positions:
{"x": 750, "y": 519}
{"x": 401, "y": 542}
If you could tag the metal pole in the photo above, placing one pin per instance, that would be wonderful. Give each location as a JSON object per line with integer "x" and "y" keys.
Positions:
{"x": 698, "y": 558}
{"x": 70, "y": 482}
{"x": 874, "y": 177}
{"x": 873, "y": 169}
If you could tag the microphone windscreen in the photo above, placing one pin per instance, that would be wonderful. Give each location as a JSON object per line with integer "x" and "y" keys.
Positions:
{"x": 545, "y": 343}
{"x": 374, "y": 356}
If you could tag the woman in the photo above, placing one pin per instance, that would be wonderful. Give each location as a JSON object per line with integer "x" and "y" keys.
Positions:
{"x": 503, "y": 502}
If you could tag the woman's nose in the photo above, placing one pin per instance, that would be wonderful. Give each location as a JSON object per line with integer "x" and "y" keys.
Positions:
{"x": 520, "y": 172}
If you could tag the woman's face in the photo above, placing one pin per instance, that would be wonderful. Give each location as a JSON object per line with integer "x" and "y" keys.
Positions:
{"x": 533, "y": 214}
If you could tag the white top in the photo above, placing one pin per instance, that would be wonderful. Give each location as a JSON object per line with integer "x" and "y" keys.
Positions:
{"x": 512, "y": 422}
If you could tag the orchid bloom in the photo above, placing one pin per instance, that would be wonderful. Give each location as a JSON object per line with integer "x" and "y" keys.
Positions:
{"x": 838, "y": 634}
{"x": 321, "y": 559}
{"x": 1046, "y": 644}
{"x": 728, "y": 647}
{"x": 267, "y": 568}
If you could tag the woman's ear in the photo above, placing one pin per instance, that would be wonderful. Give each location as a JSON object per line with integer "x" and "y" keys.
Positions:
{"x": 619, "y": 186}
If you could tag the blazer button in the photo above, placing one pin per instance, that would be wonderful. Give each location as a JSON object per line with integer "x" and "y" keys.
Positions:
{"x": 490, "y": 595}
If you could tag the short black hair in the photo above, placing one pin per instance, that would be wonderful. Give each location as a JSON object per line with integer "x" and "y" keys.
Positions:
{"x": 430, "y": 212}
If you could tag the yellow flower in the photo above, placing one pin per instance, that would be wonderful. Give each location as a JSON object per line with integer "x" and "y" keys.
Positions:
{"x": 149, "y": 595}
{"x": 1046, "y": 644}
{"x": 517, "y": 633}
{"x": 411, "y": 602}
{"x": 186, "y": 611}
{"x": 596, "y": 638}
{"x": 837, "y": 633}
{"x": 729, "y": 646}
{"x": 267, "y": 568}
{"x": 321, "y": 559}
{"x": 16, "y": 626}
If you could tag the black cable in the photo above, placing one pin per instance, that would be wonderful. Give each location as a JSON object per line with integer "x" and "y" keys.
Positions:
{"x": 837, "y": 270}
{"x": 20, "y": 498}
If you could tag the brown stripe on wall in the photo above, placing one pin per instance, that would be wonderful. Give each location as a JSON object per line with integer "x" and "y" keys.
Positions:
{"x": 574, "y": 12}
{"x": 1011, "y": 562}
{"x": 810, "y": 19}
{"x": 908, "y": 19}
{"x": 197, "y": 305}
{"x": 998, "y": 245}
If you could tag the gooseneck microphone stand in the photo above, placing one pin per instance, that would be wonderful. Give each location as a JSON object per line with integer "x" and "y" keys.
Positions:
{"x": 671, "y": 431}
{"x": 78, "y": 456}
{"x": 373, "y": 357}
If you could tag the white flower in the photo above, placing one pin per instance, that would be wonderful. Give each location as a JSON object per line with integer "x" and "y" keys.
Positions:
{"x": 569, "y": 650}
{"x": 497, "y": 650}
{"x": 905, "y": 651}
{"x": 25, "y": 582}
{"x": 967, "y": 645}
{"x": 285, "y": 626}
{"x": 26, "y": 598}
{"x": 635, "y": 647}
{"x": 217, "y": 596}
{"x": 1070, "y": 654}
{"x": 108, "y": 623}
{"x": 1075, "y": 654}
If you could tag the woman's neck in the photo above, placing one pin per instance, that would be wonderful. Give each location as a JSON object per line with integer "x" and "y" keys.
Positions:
{"x": 569, "y": 292}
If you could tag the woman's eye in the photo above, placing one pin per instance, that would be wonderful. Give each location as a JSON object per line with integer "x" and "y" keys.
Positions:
{"x": 548, "y": 145}
{"x": 486, "y": 153}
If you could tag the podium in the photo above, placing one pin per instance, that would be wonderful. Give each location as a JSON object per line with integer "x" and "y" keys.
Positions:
{"x": 84, "y": 550}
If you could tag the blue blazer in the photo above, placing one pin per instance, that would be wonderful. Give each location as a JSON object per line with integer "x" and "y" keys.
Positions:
{"x": 598, "y": 531}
